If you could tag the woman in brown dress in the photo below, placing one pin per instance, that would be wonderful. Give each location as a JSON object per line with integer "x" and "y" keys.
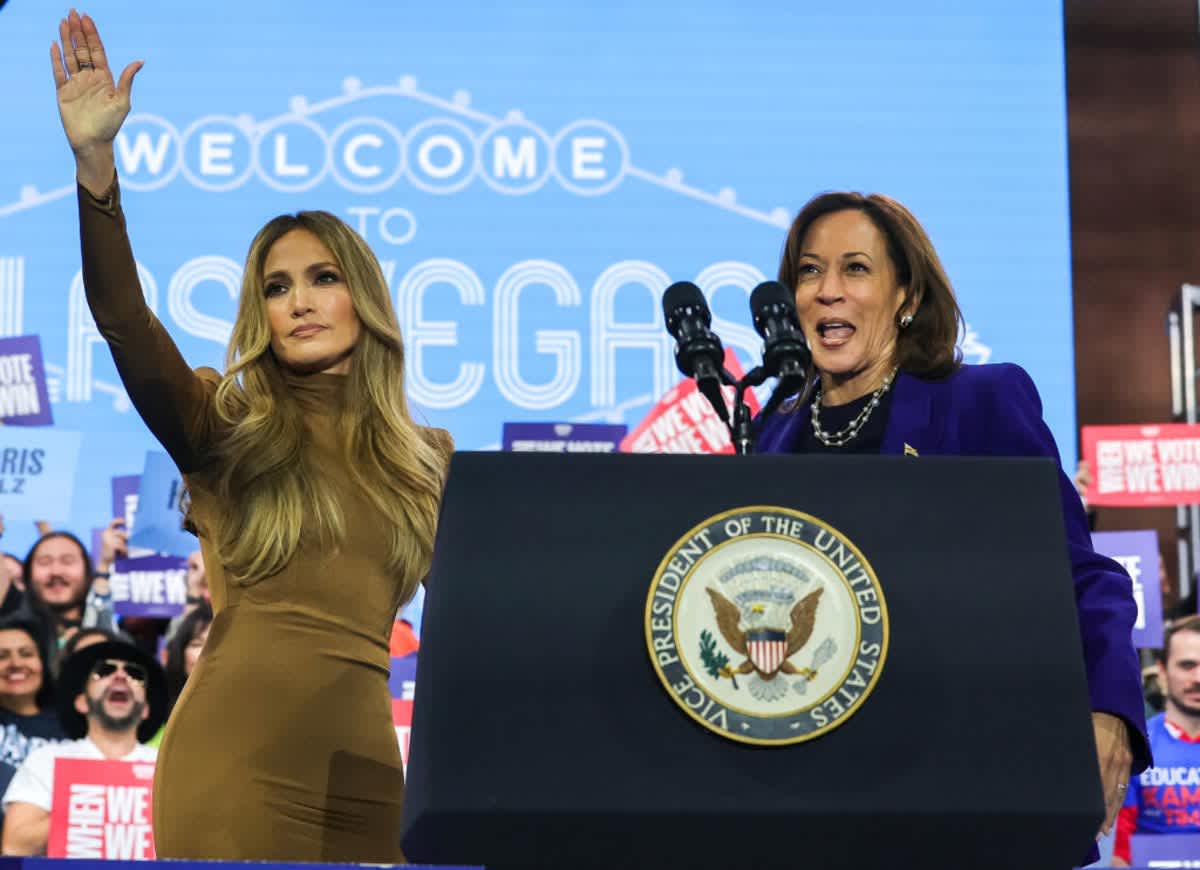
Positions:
{"x": 315, "y": 498}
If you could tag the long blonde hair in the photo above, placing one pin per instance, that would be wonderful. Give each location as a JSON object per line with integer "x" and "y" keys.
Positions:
{"x": 267, "y": 489}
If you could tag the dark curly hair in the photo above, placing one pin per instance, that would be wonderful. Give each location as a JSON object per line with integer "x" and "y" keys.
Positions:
{"x": 16, "y": 622}
{"x": 190, "y": 626}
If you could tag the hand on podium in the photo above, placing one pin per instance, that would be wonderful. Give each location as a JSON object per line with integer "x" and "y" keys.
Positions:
{"x": 1112, "y": 748}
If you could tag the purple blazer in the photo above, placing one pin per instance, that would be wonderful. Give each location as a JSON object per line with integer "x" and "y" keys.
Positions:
{"x": 995, "y": 410}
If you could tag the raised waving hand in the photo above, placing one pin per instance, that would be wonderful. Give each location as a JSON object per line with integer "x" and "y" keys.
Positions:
{"x": 91, "y": 104}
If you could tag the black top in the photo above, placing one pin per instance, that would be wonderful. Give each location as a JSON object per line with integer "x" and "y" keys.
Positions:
{"x": 20, "y": 735}
{"x": 869, "y": 438}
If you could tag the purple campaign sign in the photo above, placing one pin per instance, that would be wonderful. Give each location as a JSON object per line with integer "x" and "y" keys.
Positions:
{"x": 97, "y": 543}
{"x": 124, "y": 497}
{"x": 149, "y": 586}
{"x": 563, "y": 437}
{"x": 24, "y": 399}
{"x": 1165, "y": 850}
{"x": 1137, "y": 553}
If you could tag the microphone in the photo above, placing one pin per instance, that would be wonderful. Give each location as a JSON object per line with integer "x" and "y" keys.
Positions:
{"x": 785, "y": 352}
{"x": 698, "y": 351}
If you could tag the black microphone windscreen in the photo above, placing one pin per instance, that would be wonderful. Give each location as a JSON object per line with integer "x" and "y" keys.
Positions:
{"x": 770, "y": 293}
{"x": 683, "y": 293}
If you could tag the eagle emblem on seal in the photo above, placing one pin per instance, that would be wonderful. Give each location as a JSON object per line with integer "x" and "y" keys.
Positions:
{"x": 766, "y": 625}
{"x": 767, "y": 648}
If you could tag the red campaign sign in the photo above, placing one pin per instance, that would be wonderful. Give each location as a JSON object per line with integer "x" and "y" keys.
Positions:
{"x": 102, "y": 809}
{"x": 402, "y": 721}
{"x": 684, "y": 421}
{"x": 1143, "y": 465}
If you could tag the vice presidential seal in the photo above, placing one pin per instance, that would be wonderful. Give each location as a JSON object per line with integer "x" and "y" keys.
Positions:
{"x": 767, "y": 625}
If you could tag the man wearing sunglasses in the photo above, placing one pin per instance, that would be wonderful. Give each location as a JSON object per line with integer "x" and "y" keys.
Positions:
{"x": 112, "y": 697}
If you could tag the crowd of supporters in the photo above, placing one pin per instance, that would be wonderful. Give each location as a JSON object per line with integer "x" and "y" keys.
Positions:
{"x": 77, "y": 681}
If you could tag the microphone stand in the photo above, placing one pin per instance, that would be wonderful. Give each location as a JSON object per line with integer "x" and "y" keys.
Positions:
{"x": 739, "y": 426}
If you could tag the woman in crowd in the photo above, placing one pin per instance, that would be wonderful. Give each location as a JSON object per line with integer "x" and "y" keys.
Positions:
{"x": 184, "y": 648}
{"x": 882, "y": 322}
{"x": 315, "y": 498}
{"x": 27, "y": 714}
{"x": 182, "y": 652}
{"x": 197, "y": 594}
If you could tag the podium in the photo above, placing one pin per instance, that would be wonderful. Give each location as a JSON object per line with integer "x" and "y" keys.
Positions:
{"x": 543, "y": 736}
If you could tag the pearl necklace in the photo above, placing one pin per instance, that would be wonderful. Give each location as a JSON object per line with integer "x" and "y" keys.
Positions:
{"x": 846, "y": 435}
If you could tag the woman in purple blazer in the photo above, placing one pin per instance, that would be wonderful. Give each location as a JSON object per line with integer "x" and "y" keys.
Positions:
{"x": 882, "y": 323}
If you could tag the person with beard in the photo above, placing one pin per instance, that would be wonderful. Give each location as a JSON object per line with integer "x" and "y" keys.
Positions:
{"x": 1166, "y": 798}
{"x": 63, "y": 592}
{"x": 112, "y": 697}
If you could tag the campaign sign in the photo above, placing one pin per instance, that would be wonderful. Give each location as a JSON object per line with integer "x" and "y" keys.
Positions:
{"x": 24, "y": 399}
{"x": 403, "y": 683}
{"x": 149, "y": 586}
{"x": 1177, "y": 851}
{"x": 1137, "y": 553}
{"x": 684, "y": 421}
{"x": 102, "y": 809}
{"x": 97, "y": 539}
{"x": 159, "y": 520}
{"x": 563, "y": 437}
{"x": 37, "y": 473}
{"x": 124, "y": 497}
{"x": 1143, "y": 465}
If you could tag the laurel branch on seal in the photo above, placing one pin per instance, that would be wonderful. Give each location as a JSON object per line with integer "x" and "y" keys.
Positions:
{"x": 715, "y": 662}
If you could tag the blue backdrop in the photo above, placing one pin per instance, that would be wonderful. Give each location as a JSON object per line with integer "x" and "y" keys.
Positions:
{"x": 533, "y": 175}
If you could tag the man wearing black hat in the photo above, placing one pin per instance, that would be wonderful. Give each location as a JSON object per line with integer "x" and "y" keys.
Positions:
{"x": 112, "y": 697}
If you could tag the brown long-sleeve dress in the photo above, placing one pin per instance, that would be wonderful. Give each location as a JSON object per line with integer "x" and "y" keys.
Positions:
{"x": 282, "y": 745}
